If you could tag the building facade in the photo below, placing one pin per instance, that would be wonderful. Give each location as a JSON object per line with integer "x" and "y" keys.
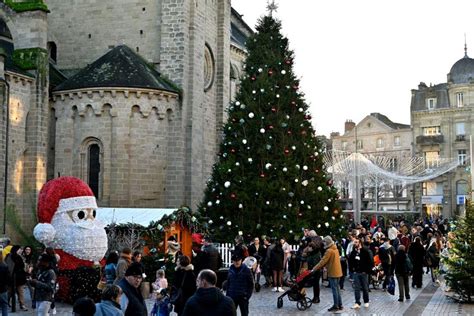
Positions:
{"x": 376, "y": 135}
{"x": 127, "y": 95}
{"x": 442, "y": 118}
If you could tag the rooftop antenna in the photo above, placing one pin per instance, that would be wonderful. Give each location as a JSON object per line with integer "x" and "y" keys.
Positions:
{"x": 465, "y": 46}
{"x": 271, "y": 6}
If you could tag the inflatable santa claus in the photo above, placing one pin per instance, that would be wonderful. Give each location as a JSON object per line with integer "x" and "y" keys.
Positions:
{"x": 67, "y": 222}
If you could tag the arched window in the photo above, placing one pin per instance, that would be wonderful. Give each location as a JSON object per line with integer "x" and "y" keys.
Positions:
{"x": 91, "y": 164}
{"x": 94, "y": 168}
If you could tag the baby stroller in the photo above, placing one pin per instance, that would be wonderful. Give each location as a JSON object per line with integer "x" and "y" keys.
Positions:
{"x": 254, "y": 265}
{"x": 297, "y": 292}
{"x": 377, "y": 276}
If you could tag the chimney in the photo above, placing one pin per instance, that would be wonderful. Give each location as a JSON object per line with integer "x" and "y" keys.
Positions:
{"x": 348, "y": 126}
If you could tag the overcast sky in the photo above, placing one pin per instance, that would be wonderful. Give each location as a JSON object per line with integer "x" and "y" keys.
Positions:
{"x": 355, "y": 57}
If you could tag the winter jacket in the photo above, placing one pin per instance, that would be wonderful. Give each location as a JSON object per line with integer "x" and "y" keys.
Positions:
{"x": 185, "y": 279}
{"x": 239, "y": 282}
{"x": 213, "y": 260}
{"x": 4, "y": 277}
{"x": 45, "y": 285}
{"x": 277, "y": 257}
{"x": 332, "y": 260}
{"x": 122, "y": 266}
{"x": 110, "y": 273}
{"x": 361, "y": 261}
{"x": 108, "y": 308}
{"x": 209, "y": 302}
{"x": 135, "y": 304}
{"x": 400, "y": 263}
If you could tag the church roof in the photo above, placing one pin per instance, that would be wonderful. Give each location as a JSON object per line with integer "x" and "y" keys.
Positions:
{"x": 120, "y": 67}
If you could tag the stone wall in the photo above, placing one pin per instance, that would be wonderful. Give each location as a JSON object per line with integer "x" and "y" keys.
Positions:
{"x": 85, "y": 30}
{"x": 132, "y": 129}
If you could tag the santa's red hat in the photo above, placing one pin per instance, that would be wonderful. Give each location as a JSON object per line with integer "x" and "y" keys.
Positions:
{"x": 57, "y": 196}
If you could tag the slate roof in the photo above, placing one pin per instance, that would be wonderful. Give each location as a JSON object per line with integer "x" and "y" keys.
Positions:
{"x": 120, "y": 67}
{"x": 56, "y": 77}
{"x": 388, "y": 122}
{"x": 462, "y": 71}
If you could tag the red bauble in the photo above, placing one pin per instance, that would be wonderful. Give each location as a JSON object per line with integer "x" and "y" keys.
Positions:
{"x": 329, "y": 182}
{"x": 307, "y": 117}
{"x": 293, "y": 103}
{"x": 270, "y": 126}
{"x": 289, "y": 132}
{"x": 288, "y": 61}
{"x": 303, "y": 132}
{"x": 270, "y": 72}
{"x": 274, "y": 110}
{"x": 262, "y": 175}
{"x": 296, "y": 87}
{"x": 232, "y": 150}
{"x": 287, "y": 151}
{"x": 317, "y": 170}
{"x": 253, "y": 78}
{"x": 233, "y": 196}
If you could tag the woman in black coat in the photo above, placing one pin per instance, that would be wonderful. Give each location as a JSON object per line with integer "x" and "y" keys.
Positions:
{"x": 184, "y": 279}
{"x": 19, "y": 274}
{"x": 276, "y": 265}
{"x": 417, "y": 255}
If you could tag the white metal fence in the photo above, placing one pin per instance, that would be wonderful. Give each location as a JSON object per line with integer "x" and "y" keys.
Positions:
{"x": 225, "y": 250}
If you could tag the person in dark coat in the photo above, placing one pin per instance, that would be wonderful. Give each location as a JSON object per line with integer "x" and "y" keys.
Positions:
{"x": 361, "y": 263}
{"x": 185, "y": 279}
{"x": 208, "y": 299}
{"x": 4, "y": 281}
{"x": 402, "y": 273}
{"x": 132, "y": 302}
{"x": 417, "y": 253}
{"x": 240, "y": 284}
{"x": 277, "y": 257}
{"x": 18, "y": 274}
{"x": 212, "y": 257}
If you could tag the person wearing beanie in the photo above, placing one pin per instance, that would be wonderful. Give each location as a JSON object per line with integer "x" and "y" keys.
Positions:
{"x": 332, "y": 261}
{"x": 132, "y": 302}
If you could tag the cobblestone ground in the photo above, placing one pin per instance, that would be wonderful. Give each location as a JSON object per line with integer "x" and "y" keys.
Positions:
{"x": 430, "y": 300}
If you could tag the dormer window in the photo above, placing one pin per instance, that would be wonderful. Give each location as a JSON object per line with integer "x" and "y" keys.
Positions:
{"x": 431, "y": 103}
{"x": 460, "y": 99}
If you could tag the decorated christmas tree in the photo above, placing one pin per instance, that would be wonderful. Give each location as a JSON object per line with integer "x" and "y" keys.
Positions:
{"x": 269, "y": 178}
{"x": 460, "y": 259}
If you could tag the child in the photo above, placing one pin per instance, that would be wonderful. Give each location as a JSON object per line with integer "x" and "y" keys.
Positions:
{"x": 161, "y": 282}
{"x": 162, "y": 306}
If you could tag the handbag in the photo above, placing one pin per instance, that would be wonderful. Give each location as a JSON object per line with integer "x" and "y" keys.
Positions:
{"x": 391, "y": 286}
{"x": 173, "y": 313}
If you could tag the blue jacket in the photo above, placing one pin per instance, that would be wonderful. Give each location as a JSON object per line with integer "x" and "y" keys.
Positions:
{"x": 109, "y": 272}
{"x": 239, "y": 282}
{"x": 108, "y": 308}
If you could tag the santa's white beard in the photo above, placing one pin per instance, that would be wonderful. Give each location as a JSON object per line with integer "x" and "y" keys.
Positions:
{"x": 86, "y": 240}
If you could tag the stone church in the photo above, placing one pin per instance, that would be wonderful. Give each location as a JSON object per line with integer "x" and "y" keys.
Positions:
{"x": 128, "y": 95}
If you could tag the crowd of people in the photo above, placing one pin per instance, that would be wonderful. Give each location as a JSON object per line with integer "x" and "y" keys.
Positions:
{"x": 370, "y": 253}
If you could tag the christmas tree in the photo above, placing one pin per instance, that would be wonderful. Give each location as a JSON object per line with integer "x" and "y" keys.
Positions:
{"x": 460, "y": 259}
{"x": 269, "y": 178}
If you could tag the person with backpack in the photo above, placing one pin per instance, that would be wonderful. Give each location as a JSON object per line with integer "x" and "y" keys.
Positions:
{"x": 386, "y": 254}
{"x": 403, "y": 268}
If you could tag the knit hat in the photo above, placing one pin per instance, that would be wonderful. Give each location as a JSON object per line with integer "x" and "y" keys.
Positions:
{"x": 60, "y": 195}
{"x": 134, "y": 269}
{"x": 328, "y": 242}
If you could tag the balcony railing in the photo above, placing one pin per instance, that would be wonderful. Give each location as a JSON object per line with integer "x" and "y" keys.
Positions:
{"x": 460, "y": 138}
{"x": 429, "y": 140}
